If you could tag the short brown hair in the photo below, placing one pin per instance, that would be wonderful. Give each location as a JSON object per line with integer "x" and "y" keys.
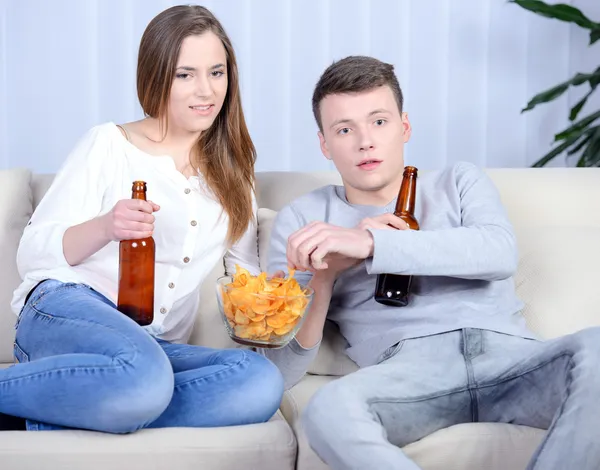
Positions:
{"x": 224, "y": 153}
{"x": 353, "y": 75}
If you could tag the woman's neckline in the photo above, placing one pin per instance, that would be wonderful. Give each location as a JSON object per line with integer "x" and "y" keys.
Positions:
{"x": 163, "y": 157}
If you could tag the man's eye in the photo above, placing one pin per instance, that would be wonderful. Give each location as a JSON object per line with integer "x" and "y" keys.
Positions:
{"x": 343, "y": 131}
{"x": 380, "y": 122}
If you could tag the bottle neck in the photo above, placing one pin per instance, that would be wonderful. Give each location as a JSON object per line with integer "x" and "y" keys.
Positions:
{"x": 139, "y": 195}
{"x": 407, "y": 195}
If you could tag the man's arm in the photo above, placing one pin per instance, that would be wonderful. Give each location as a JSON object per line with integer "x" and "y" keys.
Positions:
{"x": 484, "y": 247}
{"x": 294, "y": 359}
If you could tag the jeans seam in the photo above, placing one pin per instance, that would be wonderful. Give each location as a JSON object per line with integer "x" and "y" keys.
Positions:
{"x": 471, "y": 385}
{"x": 133, "y": 348}
{"x": 513, "y": 377}
{"x": 417, "y": 399}
{"x": 558, "y": 412}
{"x": 395, "y": 349}
{"x": 242, "y": 361}
{"x": 64, "y": 286}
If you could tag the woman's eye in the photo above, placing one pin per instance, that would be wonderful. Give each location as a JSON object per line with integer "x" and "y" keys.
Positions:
{"x": 218, "y": 73}
{"x": 182, "y": 75}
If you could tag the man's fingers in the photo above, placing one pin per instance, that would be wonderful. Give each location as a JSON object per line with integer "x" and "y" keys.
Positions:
{"x": 302, "y": 243}
{"x": 394, "y": 221}
{"x": 375, "y": 225}
{"x": 317, "y": 257}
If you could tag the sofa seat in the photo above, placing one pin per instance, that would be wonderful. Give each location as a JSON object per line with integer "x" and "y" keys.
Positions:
{"x": 491, "y": 446}
{"x": 266, "y": 446}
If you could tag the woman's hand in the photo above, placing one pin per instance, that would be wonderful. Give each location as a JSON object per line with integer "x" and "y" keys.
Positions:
{"x": 130, "y": 219}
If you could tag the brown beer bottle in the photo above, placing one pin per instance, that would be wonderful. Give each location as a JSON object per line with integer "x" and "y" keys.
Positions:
{"x": 136, "y": 272}
{"x": 393, "y": 289}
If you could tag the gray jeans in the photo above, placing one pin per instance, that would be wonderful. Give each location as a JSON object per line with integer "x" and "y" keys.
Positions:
{"x": 360, "y": 421}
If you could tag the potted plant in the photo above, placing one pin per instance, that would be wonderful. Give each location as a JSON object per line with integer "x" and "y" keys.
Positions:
{"x": 582, "y": 137}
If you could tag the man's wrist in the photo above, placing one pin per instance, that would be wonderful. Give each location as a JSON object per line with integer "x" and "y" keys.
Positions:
{"x": 370, "y": 244}
{"x": 323, "y": 280}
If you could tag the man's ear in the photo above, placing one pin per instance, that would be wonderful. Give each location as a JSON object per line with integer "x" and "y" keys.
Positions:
{"x": 323, "y": 144}
{"x": 406, "y": 127}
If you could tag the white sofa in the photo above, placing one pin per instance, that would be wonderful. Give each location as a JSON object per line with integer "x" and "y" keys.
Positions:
{"x": 556, "y": 214}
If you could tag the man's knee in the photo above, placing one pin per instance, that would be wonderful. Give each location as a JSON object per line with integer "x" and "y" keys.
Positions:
{"x": 325, "y": 410}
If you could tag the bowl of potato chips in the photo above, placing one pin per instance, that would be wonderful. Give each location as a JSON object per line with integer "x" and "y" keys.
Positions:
{"x": 260, "y": 311}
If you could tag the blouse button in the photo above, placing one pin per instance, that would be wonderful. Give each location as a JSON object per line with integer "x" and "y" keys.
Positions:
{"x": 194, "y": 223}
{"x": 171, "y": 285}
{"x": 186, "y": 190}
{"x": 163, "y": 310}
{"x": 186, "y": 260}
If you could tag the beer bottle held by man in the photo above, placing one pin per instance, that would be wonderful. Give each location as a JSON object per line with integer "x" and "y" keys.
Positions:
{"x": 393, "y": 289}
{"x": 136, "y": 272}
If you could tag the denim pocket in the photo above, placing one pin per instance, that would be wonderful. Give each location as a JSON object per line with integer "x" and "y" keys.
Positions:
{"x": 20, "y": 355}
{"x": 391, "y": 351}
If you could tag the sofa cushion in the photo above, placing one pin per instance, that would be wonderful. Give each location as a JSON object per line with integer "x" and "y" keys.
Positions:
{"x": 40, "y": 183}
{"x": 275, "y": 189}
{"x": 470, "y": 446}
{"x": 209, "y": 329}
{"x": 541, "y": 197}
{"x": 268, "y": 446}
{"x": 557, "y": 278}
{"x": 15, "y": 211}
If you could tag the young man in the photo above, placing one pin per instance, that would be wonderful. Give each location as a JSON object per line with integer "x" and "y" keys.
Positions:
{"x": 460, "y": 351}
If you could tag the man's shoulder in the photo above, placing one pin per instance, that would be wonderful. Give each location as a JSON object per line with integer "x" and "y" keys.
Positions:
{"x": 452, "y": 170}
{"x": 313, "y": 201}
{"x": 455, "y": 174}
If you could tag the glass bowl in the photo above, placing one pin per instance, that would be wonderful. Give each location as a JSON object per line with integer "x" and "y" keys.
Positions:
{"x": 261, "y": 320}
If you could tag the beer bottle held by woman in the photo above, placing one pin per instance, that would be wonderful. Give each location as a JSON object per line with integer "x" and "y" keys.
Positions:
{"x": 393, "y": 289}
{"x": 136, "y": 272}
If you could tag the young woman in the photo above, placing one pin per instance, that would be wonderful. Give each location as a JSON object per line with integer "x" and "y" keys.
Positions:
{"x": 83, "y": 364}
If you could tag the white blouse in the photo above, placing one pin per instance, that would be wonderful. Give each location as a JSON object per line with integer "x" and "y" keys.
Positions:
{"x": 190, "y": 229}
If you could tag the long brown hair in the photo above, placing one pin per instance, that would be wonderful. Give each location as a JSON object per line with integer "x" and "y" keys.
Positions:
{"x": 224, "y": 153}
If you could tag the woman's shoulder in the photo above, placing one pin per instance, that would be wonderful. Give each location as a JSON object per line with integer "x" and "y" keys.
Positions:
{"x": 100, "y": 134}
{"x": 97, "y": 144}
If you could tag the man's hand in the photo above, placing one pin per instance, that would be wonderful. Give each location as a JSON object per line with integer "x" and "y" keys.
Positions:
{"x": 314, "y": 247}
{"x": 386, "y": 221}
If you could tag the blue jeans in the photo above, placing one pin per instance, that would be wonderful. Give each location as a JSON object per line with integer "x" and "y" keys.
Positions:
{"x": 84, "y": 365}
{"x": 360, "y": 421}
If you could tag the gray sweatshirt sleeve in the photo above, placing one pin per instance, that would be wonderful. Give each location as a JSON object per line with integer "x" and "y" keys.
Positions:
{"x": 483, "y": 247}
{"x": 292, "y": 360}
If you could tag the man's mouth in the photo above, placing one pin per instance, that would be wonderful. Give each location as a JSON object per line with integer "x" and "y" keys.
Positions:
{"x": 368, "y": 164}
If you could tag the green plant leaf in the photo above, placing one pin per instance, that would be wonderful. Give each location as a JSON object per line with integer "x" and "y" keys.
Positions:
{"x": 594, "y": 35}
{"x": 554, "y": 92}
{"x": 559, "y": 11}
{"x": 595, "y": 78}
{"x": 594, "y": 81}
{"x": 545, "y": 96}
{"x": 580, "y": 145}
{"x": 591, "y": 155}
{"x": 577, "y": 127}
{"x": 556, "y": 151}
{"x": 577, "y": 108}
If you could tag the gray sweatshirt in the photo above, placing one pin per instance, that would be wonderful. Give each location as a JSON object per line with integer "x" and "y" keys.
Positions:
{"x": 462, "y": 260}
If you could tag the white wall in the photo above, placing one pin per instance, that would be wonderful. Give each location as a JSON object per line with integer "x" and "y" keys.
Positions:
{"x": 467, "y": 68}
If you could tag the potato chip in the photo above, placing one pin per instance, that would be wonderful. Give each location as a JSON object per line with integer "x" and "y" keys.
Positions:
{"x": 285, "y": 329}
{"x": 262, "y": 309}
